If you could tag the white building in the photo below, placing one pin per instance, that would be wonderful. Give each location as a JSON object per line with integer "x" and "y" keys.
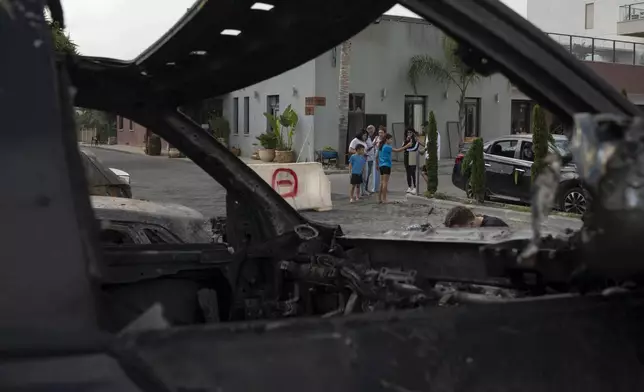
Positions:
{"x": 608, "y": 19}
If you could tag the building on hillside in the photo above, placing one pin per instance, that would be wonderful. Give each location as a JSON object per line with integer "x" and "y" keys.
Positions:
{"x": 380, "y": 94}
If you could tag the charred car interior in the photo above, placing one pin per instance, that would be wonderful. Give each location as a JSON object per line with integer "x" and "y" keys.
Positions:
{"x": 282, "y": 302}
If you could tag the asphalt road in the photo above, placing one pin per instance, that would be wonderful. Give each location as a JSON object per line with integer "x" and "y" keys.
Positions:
{"x": 179, "y": 181}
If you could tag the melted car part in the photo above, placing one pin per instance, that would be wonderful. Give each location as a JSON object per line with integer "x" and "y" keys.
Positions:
{"x": 611, "y": 160}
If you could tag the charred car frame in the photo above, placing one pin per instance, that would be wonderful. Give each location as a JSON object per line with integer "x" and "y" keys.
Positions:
{"x": 89, "y": 317}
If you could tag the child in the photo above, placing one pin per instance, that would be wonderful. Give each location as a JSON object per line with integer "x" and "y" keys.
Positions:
{"x": 356, "y": 166}
{"x": 384, "y": 165}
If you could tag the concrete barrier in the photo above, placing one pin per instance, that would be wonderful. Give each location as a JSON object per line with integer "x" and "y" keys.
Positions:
{"x": 303, "y": 185}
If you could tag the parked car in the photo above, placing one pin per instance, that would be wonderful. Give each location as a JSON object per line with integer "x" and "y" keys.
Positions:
{"x": 104, "y": 181}
{"x": 508, "y": 161}
{"x": 132, "y": 221}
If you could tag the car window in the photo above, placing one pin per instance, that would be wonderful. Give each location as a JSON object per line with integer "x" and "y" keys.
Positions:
{"x": 504, "y": 148}
{"x": 527, "y": 153}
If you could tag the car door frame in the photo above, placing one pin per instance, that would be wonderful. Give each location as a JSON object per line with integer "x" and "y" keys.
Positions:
{"x": 499, "y": 171}
{"x": 523, "y": 174}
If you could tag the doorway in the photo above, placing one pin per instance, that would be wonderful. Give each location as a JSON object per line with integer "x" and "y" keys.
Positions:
{"x": 415, "y": 111}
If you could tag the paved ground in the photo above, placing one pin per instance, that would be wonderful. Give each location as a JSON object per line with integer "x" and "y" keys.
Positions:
{"x": 180, "y": 181}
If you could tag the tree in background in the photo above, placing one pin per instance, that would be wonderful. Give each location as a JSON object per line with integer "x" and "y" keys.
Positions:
{"x": 450, "y": 70}
{"x": 432, "y": 151}
{"x": 474, "y": 170}
{"x": 343, "y": 101}
{"x": 540, "y": 139}
{"x": 103, "y": 123}
{"x": 62, "y": 41}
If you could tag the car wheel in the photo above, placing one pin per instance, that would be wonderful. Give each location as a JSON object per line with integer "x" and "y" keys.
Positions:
{"x": 574, "y": 201}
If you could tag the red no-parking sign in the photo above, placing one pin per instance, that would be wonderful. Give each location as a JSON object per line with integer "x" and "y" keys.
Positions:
{"x": 285, "y": 182}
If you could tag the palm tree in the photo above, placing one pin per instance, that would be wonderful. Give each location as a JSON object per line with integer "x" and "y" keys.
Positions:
{"x": 62, "y": 41}
{"x": 449, "y": 70}
{"x": 343, "y": 100}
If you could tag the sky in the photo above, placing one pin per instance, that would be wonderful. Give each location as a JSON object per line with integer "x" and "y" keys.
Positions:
{"x": 124, "y": 28}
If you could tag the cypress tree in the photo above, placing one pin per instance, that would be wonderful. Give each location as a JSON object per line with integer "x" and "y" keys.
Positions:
{"x": 540, "y": 139}
{"x": 432, "y": 153}
{"x": 474, "y": 170}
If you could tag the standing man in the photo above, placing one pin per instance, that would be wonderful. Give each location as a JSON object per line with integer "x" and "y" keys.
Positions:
{"x": 371, "y": 155}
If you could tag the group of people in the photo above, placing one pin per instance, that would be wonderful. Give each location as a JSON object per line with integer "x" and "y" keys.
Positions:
{"x": 371, "y": 160}
{"x": 371, "y": 157}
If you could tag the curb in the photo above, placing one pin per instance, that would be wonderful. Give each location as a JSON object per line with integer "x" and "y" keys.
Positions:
{"x": 113, "y": 149}
{"x": 496, "y": 211}
{"x": 336, "y": 171}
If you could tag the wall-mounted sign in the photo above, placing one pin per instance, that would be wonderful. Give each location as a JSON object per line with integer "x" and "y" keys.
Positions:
{"x": 309, "y": 110}
{"x": 315, "y": 101}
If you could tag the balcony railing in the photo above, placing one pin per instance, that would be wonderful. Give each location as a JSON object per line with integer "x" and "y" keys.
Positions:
{"x": 602, "y": 50}
{"x": 633, "y": 11}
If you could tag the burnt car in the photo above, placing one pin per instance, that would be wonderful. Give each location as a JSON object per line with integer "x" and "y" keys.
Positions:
{"x": 287, "y": 303}
{"x": 131, "y": 221}
{"x": 508, "y": 162}
{"x": 104, "y": 181}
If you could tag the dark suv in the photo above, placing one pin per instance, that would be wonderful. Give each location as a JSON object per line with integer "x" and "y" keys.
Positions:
{"x": 507, "y": 168}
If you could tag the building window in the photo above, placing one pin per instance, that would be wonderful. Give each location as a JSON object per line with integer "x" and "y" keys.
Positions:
{"x": 520, "y": 116}
{"x": 472, "y": 117}
{"x": 415, "y": 110}
{"x": 131, "y": 126}
{"x": 590, "y": 16}
{"x": 235, "y": 115}
{"x": 246, "y": 115}
{"x": 120, "y": 123}
{"x": 356, "y": 103}
{"x": 272, "y": 107}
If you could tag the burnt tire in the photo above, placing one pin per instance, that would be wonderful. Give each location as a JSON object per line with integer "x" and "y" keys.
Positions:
{"x": 574, "y": 201}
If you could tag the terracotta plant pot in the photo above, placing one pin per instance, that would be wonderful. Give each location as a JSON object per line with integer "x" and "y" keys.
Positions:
{"x": 267, "y": 155}
{"x": 235, "y": 151}
{"x": 284, "y": 156}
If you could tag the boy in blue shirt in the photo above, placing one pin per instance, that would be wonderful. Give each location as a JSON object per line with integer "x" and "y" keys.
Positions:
{"x": 356, "y": 166}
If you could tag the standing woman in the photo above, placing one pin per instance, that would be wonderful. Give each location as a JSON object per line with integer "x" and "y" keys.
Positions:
{"x": 384, "y": 165}
{"x": 410, "y": 148}
{"x": 377, "y": 142}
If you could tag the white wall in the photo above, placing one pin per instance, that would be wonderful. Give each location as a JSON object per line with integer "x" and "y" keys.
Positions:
{"x": 302, "y": 78}
{"x": 569, "y": 17}
{"x": 380, "y": 59}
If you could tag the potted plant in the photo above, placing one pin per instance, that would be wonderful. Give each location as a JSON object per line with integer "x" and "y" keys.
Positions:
{"x": 283, "y": 127}
{"x": 269, "y": 142}
{"x": 235, "y": 150}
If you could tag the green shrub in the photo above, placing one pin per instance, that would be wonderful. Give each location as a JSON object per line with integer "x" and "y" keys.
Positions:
{"x": 268, "y": 140}
{"x": 432, "y": 153}
{"x": 473, "y": 169}
{"x": 220, "y": 128}
{"x": 540, "y": 139}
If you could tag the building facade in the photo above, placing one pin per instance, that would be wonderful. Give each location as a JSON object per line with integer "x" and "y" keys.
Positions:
{"x": 129, "y": 133}
{"x": 607, "y": 34}
{"x": 380, "y": 94}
